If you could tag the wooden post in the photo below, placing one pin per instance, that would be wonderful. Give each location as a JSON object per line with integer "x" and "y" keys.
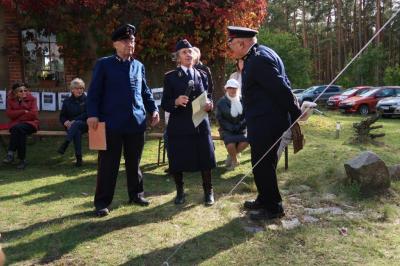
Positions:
{"x": 286, "y": 158}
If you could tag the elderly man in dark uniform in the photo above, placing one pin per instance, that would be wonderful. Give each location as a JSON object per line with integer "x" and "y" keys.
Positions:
{"x": 119, "y": 96}
{"x": 269, "y": 108}
{"x": 190, "y": 148}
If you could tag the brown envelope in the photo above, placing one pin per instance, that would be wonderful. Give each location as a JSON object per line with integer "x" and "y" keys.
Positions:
{"x": 97, "y": 138}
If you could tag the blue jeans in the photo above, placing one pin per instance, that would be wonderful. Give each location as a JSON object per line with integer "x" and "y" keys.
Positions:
{"x": 74, "y": 133}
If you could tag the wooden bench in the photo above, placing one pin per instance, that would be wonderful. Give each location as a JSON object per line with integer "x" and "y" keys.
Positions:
{"x": 159, "y": 136}
{"x": 161, "y": 148}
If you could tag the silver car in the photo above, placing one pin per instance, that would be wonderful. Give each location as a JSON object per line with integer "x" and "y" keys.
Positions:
{"x": 389, "y": 106}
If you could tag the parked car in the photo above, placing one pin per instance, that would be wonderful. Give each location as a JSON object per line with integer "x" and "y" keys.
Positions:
{"x": 366, "y": 102}
{"x": 297, "y": 91}
{"x": 313, "y": 92}
{"x": 333, "y": 101}
{"x": 389, "y": 106}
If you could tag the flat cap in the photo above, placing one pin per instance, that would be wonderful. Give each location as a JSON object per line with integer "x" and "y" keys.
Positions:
{"x": 123, "y": 32}
{"x": 241, "y": 32}
{"x": 182, "y": 44}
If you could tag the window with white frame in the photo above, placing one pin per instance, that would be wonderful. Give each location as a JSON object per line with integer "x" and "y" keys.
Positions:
{"x": 42, "y": 59}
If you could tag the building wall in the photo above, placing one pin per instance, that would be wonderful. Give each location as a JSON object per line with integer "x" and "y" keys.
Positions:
{"x": 3, "y": 58}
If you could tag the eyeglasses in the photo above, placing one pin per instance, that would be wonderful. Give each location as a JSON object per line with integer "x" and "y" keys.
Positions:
{"x": 23, "y": 90}
{"x": 78, "y": 88}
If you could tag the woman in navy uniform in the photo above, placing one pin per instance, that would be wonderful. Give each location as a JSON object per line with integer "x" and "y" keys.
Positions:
{"x": 190, "y": 148}
{"x": 269, "y": 108}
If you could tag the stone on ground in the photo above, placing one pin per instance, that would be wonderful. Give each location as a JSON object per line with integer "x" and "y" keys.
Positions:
{"x": 369, "y": 171}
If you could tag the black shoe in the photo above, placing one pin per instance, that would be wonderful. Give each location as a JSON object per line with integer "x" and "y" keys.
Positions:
{"x": 79, "y": 161}
{"x": 265, "y": 215}
{"x": 102, "y": 212}
{"x": 21, "y": 165}
{"x": 209, "y": 198}
{"x": 253, "y": 205}
{"x": 63, "y": 147}
{"x": 180, "y": 197}
{"x": 9, "y": 159}
{"x": 139, "y": 201}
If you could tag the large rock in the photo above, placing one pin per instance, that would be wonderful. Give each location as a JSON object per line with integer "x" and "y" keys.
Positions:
{"x": 369, "y": 171}
{"x": 394, "y": 172}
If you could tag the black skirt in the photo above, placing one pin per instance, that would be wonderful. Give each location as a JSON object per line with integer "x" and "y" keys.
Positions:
{"x": 191, "y": 153}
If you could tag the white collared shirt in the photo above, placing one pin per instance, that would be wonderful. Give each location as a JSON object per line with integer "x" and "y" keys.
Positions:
{"x": 190, "y": 69}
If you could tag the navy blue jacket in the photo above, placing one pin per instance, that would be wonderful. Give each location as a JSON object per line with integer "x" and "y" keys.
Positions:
{"x": 266, "y": 88}
{"x": 233, "y": 125}
{"x": 180, "y": 120}
{"x": 119, "y": 95}
{"x": 73, "y": 108}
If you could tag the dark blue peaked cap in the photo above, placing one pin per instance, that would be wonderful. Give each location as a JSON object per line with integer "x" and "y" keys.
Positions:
{"x": 241, "y": 32}
{"x": 123, "y": 32}
{"x": 182, "y": 44}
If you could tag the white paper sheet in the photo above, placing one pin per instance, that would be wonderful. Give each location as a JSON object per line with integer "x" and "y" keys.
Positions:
{"x": 198, "y": 109}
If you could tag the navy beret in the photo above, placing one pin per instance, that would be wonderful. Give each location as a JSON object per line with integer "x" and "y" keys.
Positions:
{"x": 241, "y": 32}
{"x": 123, "y": 32}
{"x": 182, "y": 44}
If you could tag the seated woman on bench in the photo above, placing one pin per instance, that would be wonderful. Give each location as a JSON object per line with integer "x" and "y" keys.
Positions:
{"x": 24, "y": 120}
{"x": 232, "y": 124}
{"x": 73, "y": 117}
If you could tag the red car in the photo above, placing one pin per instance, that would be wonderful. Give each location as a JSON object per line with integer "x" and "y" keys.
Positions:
{"x": 366, "y": 102}
{"x": 333, "y": 101}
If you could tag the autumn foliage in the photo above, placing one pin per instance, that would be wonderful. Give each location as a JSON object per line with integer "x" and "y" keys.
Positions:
{"x": 80, "y": 23}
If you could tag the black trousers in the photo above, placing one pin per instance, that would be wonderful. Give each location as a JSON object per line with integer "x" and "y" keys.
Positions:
{"x": 19, "y": 132}
{"x": 108, "y": 166}
{"x": 263, "y": 132}
{"x": 74, "y": 133}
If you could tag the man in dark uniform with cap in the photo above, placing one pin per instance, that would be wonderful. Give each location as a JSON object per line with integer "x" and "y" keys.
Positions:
{"x": 269, "y": 106}
{"x": 119, "y": 96}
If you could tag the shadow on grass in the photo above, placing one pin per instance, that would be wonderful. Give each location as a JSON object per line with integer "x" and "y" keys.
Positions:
{"x": 197, "y": 249}
{"x": 83, "y": 186}
{"x": 55, "y": 245}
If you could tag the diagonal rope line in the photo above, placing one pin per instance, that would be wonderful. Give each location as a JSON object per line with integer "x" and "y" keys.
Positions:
{"x": 165, "y": 263}
{"x": 316, "y": 99}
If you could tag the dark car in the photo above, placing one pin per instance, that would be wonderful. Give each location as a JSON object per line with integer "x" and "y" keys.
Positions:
{"x": 313, "y": 92}
{"x": 366, "y": 102}
{"x": 333, "y": 101}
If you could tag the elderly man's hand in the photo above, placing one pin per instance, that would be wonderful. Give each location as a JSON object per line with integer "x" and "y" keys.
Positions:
{"x": 92, "y": 122}
{"x": 155, "y": 118}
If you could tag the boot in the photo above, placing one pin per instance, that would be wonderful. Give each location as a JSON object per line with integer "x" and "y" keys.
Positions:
{"x": 207, "y": 187}
{"x": 180, "y": 194}
{"x": 63, "y": 147}
{"x": 208, "y": 197}
{"x": 79, "y": 161}
{"x": 9, "y": 158}
{"x": 21, "y": 165}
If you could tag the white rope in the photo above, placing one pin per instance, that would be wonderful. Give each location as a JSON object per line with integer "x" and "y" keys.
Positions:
{"x": 165, "y": 263}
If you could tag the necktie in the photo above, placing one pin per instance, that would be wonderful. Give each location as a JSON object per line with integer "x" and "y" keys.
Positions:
{"x": 188, "y": 74}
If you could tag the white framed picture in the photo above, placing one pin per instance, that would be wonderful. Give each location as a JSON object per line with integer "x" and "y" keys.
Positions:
{"x": 48, "y": 101}
{"x": 37, "y": 96}
{"x": 157, "y": 95}
{"x": 3, "y": 101}
{"x": 61, "y": 97}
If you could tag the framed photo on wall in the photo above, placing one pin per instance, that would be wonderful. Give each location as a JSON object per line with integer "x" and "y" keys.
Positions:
{"x": 37, "y": 96}
{"x": 157, "y": 94}
{"x": 61, "y": 97}
{"x": 3, "y": 101}
{"x": 49, "y": 101}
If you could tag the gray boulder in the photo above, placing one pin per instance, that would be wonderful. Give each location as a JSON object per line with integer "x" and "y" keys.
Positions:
{"x": 394, "y": 172}
{"x": 369, "y": 171}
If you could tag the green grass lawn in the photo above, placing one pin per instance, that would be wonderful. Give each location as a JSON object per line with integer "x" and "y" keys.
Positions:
{"x": 46, "y": 211}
